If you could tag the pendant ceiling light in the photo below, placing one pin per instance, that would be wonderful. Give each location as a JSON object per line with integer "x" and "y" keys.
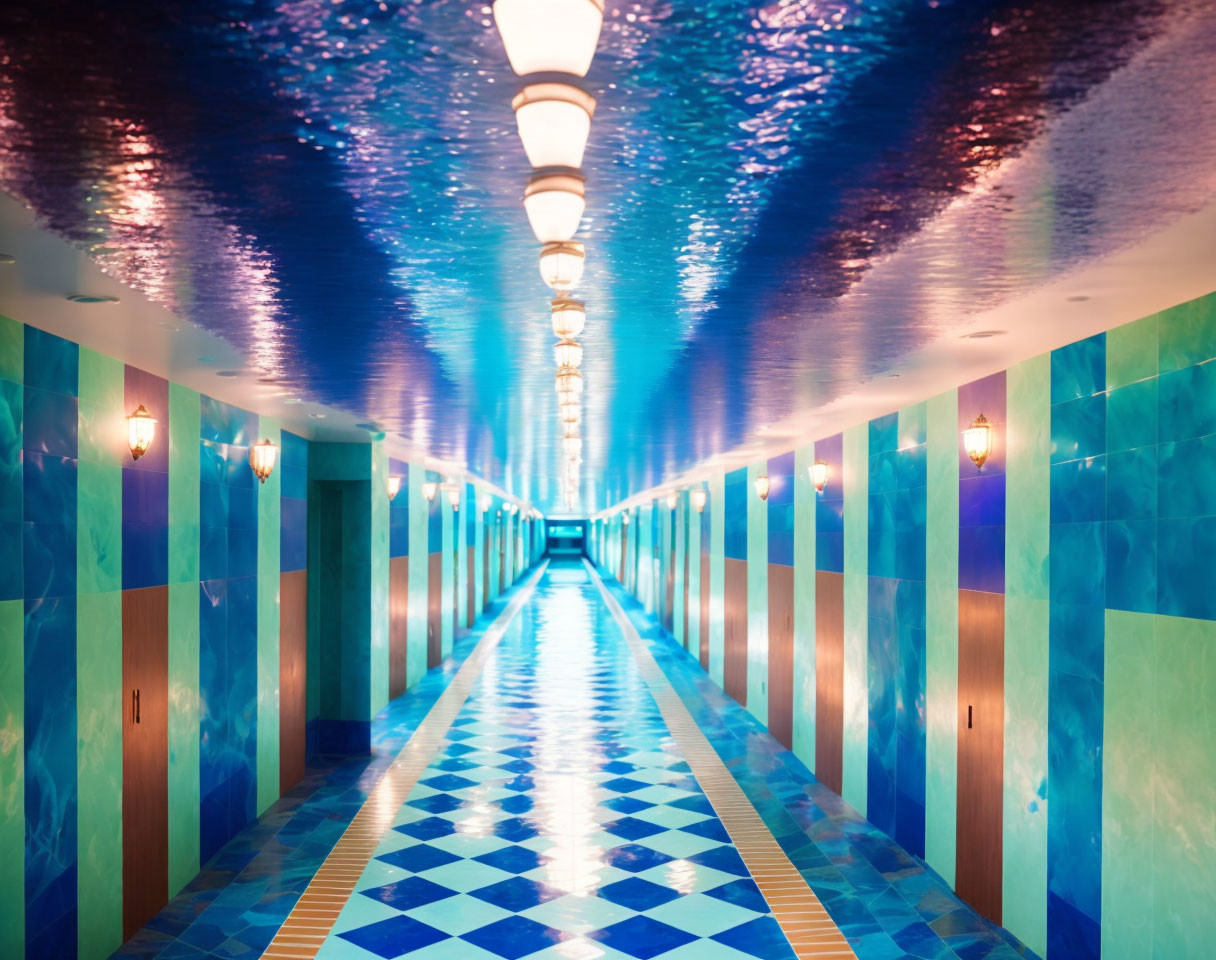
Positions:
{"x": 569, "y": 316}
{"x": 554, "y": 203}
{"x": 569, "y": 381}
{"x": 549, "y": 36}
{"x": 568, "y": 354}
{"x": 569, "y": 430}
{"x": 572, "y": 446}
{"x": 554, "y": 120}
{"x": 561, "y": 265}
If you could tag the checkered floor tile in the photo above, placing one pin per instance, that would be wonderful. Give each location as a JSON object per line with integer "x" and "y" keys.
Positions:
{"x": 558, "y": 820}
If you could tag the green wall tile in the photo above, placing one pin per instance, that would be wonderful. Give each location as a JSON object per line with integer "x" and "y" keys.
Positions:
{"x": 479, "y": 533}
{"x": 677, "y": 609}
{"x": 269, "y": 496}
{"x": 1187, "y": 333}
{"x": 184, "y": 793}
{"x": 855, "y": 744}
{"x": 102, "y": 420}
{"x": 1131, "y": 352}
{"x": 717, "y": 577}
{"x": 99, "y": 711}
{"x": 98, "y": 527}
{"x": 757, "y": 597}
{"x": 804, "y": 608}
{"x": 1027, "y": 536}
{"x": 12, "y": 771}
{"x": 448, "y": 586}
{"x": 415, "y": 634}
{"x": 941, "y": 632}
{"x": 12, "y": 351}
{"x": 693, "y": 640}
{"x": 185, "y": 425}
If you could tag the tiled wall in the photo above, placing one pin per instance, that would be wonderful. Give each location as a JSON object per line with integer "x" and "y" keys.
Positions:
{"x": 1092, "y": 525}
{"x": 83, "y": 529}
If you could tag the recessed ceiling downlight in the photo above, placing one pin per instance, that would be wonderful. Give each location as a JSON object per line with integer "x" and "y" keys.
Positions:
{"x": 984, "y": 334}
{"x": 293, "y": 400}
{"x": 91, "y": 298}
{"x": 227, "y": 373}
{"x": 6, "y": 259}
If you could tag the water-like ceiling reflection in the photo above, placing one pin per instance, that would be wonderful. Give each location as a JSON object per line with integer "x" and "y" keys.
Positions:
{"x": 335, "y": 188}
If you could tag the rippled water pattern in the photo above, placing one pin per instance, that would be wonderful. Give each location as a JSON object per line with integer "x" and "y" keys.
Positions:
{"x": 783, "y": 199}
{"x": 560, "y": 815}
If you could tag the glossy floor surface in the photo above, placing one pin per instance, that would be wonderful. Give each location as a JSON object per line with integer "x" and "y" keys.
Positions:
{"x": 560, "y": 820}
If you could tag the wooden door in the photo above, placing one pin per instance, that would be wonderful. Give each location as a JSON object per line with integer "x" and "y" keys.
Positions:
{"x": 456, "y": 604}
{"x": 829, "y": 678}
{"x": 434, "y": 609}
{"x": 624, "y": 552}
{"x": 735, "y": 654}
{"x": 669, "y": 587}
{"x": 293, "y": 677}
{"x": 687, "y": 560}
{"x": 398, "y": 623}
{"x": 485, "y": 566}
{"x": 471, "y": 576}
{"x": 981, "y": 732}
{"x": 781, "y": 653}
{"x": 145, "y": 755}
{"x": 502, "y": 557}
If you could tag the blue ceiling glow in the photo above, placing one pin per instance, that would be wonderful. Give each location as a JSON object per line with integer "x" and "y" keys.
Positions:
{"x": 335, "y": 188}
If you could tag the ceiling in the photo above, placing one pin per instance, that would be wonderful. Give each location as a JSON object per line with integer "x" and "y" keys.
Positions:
{"x": 795, "y": 211}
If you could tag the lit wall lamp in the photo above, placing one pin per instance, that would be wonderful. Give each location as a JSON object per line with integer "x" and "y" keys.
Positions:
{"x": 429, "y": 489}
{"x": 672, "y": 499}
{"x": 561, "y": 267}
{"x": 554, "y": 120}
{"x": 141, "y": 431}
{"x": 819, "y": 474}
{"x": 977, "y": 440}
{"x": 625, "y": 518}
{"x": 762, "y": 487}
{"x": 454, "y": 498}
{"x": 262, "y": 456}
{"x": 394, "y": 487}
{"x": 557, "y": 36}
{"x": 554, "y": 204}
{"x": 698, "y": 500}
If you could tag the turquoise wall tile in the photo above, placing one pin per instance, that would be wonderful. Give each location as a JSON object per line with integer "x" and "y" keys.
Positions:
{"x": 1186, "y": 478}
{"x": 12, "y": 350}
{"x": 1131, "y": 415}
{"x": 1131, "y": 352}
{"x": 51, "y": 363}
{"x": 1131, "y": 484}
{"x": 1131, "y": 565}
{"x": 1078, "y": 428}
{"x": 1079, "y": 369}
{"x": 12, "y": 773}
{"x": 1078, "y": 490}
{"x": 1185, "y": 549}
{"x": 1186, "y": 403}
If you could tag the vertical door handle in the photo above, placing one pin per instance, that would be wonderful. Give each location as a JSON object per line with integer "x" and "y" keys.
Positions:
{"x": 968, "y": 716}
{"x": 135, "y": 706}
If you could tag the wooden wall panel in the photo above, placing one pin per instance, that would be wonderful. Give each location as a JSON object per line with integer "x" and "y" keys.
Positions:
{"x": 502, "y": 557}
{"x": 470, "y": 579}
{"x": 781, "y": 653}
{"x": 669, "y": 589}
{"x": 829, "y": 678}
{"x": 398, "y": 623}
{"x": 434, "y": 609}
{"x": 145, "y": 755}
{"x": 704, "y": 648}
{"x": 735, "y": 654}
{"x": 293, "y": 677}
{"x": 981, "y": 733}
{"x": 485, "y": 566}
{"x": 624, "y": 553}
{"x": 687, "y": 560}
{"x": 456, "y": 598}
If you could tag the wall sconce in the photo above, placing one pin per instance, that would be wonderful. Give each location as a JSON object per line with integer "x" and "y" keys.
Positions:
{"x": 141, "y": 431}
{"x": 625, "y": 518}
{"x": 429, "y": 489}
{"x": 762, "y": 487}
{"x": 698, "y": 500}
{"x": 394, "y": 487}
{"x": 485, "y": 502}
{"x": 672, "y": 499}
{"x": 454, "y": 498}
{"x": 819, "y": 474}
{"x": 977, "y": 440}
{"x": 262, "y": 456}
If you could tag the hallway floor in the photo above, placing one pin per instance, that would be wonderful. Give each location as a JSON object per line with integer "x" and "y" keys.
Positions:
{"x": 559, "y": 818}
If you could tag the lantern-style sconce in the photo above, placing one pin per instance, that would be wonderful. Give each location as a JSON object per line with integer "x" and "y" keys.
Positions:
{"x": 698, "y": 500}
{"x": 141, "y": 431}
{"x": 819, "y": 475}
{"x": 429, "y": 489}
{"x": 625, "y": 518}
{"x": 672, "y": 499}
{"x": 977, "y": 440}
{"x": 454, "y": 497}
{"x": 485, "y": 503}
{"x": 262, "y": 456}
{"x": 762, "y": 487}
{"x": 394, "y": 486}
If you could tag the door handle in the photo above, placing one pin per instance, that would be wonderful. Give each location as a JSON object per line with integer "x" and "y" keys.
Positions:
{"x": 135, "y": 705}
{"x": 968, "y": 716}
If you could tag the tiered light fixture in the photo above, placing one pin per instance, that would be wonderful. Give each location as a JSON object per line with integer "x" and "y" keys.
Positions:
{"x": 551, "y": 43}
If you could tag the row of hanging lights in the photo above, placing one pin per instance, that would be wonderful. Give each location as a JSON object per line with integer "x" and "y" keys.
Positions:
{"x": 550, "y": 45}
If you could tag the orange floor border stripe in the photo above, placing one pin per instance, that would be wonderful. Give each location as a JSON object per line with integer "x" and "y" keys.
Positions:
{"x": 799, "y": 913}
{"x": 315, "y": 913}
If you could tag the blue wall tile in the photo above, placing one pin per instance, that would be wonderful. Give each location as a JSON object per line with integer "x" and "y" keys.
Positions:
{"x": 884, "y": 433}
{"x": 1185, "y": 549}
{"x": 1078, "y": 490}
{"x": 1186, "y": 478}
{"x": 1131, "y": 565}
{"x": 781, "y": 510}
{"x": 735, "y": 494}
{"x": 1079, "y": 369}
{"x": 882, "y": 668}
{"x": 1078, "y": 429}
{"x": 145, "y": 555}
{"x": 829, "y": 507}
{"x": 51, "y": 363}
{"x": 1131, "y": 484}
{"x": 293, "y": 535}
{"x": 50, "y": 777}
{"x": 1186, "y": 403}
{"x": 1131, "y": 415}
{"x": 399, "y": 511}
{"x": 50, "y": 422}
